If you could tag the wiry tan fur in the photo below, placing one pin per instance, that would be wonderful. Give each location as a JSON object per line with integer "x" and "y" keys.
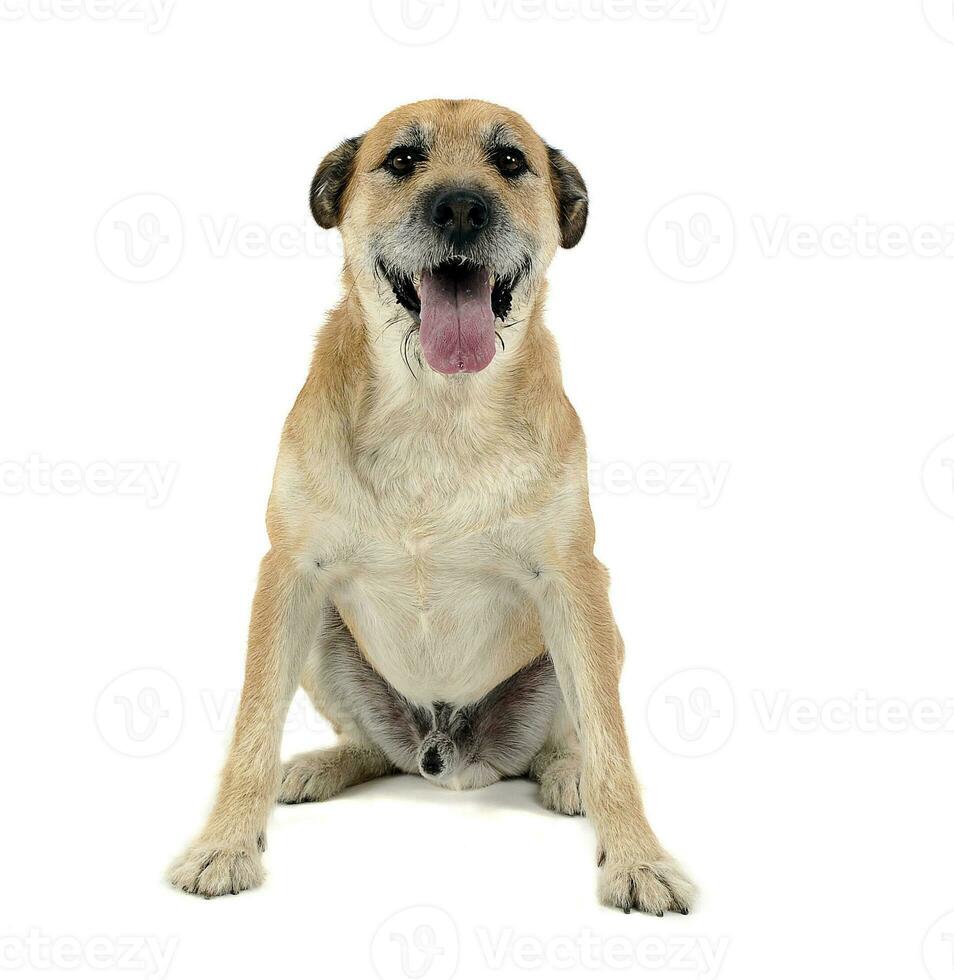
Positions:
{"x": 447, "y": 519}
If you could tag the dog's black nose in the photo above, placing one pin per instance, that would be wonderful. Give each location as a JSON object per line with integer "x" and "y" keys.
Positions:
{"x": 460, "y": 215}
{"x": 432, "y": 763}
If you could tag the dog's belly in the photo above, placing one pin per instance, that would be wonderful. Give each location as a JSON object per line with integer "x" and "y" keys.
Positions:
{"x": 440, "y": 622}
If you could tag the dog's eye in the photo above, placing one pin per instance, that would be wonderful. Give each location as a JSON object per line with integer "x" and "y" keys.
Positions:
{"x": 402, "y": 161}
{"x": 510, "y": 161}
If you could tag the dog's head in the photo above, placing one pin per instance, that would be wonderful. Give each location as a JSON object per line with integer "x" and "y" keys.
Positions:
{"x": 453, "y": 210}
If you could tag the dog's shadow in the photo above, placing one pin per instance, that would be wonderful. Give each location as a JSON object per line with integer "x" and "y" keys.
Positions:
{"x": 509, "y": 794}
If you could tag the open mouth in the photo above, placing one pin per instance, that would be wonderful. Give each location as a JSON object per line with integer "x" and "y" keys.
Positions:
{"x": 457, "y": 304}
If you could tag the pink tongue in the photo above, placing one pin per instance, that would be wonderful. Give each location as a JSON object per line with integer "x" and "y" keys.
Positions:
{"x": 457, "y": 321}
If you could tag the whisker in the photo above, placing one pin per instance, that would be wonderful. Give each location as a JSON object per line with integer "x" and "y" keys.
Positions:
{"x": 390, "y": 323}
{"x": 407, "y": 339}
{"x": 507, "y": 326}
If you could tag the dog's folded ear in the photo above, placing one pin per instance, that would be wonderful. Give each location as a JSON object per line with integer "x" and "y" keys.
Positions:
{"x": 331, "y": 180}
{"x": 571, "y": 198}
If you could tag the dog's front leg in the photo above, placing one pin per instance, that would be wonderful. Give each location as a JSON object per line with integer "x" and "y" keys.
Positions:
{"x": 225, "y": 858}
{"x": 581, "y": 635}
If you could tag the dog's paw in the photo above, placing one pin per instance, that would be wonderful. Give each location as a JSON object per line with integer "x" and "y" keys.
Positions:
{"x": 210, "y": 871}
{"x": 654, "y": 886}
{"x": 309, "y": 778}
{"x": 560, "y": 787}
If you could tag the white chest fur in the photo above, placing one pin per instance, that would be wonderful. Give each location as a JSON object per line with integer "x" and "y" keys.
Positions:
{"x": 440, "y": 618}
{"x": 427, "y": 548}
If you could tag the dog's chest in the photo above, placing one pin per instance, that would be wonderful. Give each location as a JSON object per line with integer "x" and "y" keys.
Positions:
{"x": 431, "y": 595}
{"x": 435, "y": 468}
{"x": 439, "y": 615}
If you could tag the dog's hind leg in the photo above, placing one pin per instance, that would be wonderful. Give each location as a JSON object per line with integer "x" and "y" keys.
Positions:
{"x": 556, "y": 767}
{"x": 317, "y": 776}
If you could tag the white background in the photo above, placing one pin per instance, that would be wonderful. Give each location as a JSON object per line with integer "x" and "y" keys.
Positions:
{"x": 799, "y": 620}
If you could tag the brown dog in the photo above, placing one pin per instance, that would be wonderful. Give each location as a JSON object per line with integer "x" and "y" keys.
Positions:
{"x": 430, "y": 499}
